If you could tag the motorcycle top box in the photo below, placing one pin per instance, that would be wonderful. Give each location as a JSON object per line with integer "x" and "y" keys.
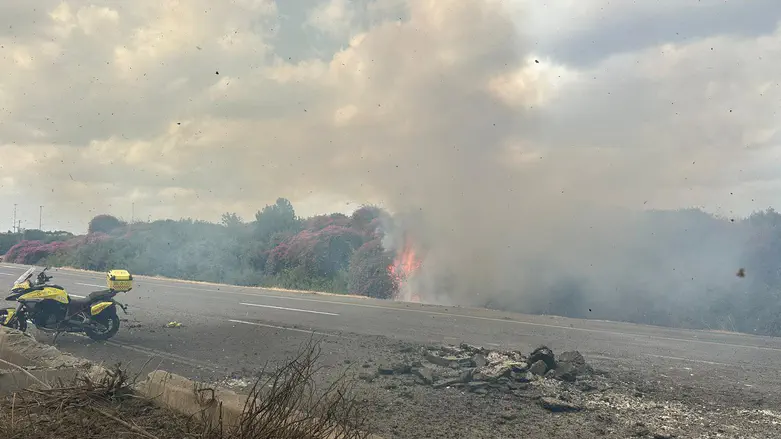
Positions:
{"x": 119, "y": 280}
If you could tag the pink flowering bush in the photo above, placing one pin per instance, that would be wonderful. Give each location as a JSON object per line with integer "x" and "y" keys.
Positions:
{"x": 321, "y": 253}
{"x": 34, "y": 252}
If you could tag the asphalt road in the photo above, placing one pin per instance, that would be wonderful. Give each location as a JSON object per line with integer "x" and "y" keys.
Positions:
{"x": 228, "y": 328}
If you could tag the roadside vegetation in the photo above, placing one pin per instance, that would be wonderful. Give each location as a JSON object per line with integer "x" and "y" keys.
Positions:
{"x": 332, "y": 253}
{"x": 668, "y": 281}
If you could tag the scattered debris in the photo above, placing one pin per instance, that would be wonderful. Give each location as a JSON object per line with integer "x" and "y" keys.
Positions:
{"x": 426, "y": 374}
{"x": 236, "y": 383}
{"x": 481, "y": 371}
{"x": 539, "y": 368}
{"x": 570, "y": 366}
{"x": 385, "y": 370}
{"x": 173, "y": 325}
{"x": 544, "y": 354}
{"x": 402, "y": 368}
{"x": 368, "y": 377}
{"x": 443, "y": 361}
{"x": 557, "y": 405}
{"x": 480, "y": 360}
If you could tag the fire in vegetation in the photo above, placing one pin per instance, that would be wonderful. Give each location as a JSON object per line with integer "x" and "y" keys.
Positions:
{"x": 404, "y": 267}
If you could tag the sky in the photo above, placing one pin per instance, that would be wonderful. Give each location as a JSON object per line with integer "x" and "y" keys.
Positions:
{"x": 447, "y": 108}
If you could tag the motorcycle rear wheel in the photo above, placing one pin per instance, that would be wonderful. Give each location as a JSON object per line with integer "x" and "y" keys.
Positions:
{"x": 111, "y": 322}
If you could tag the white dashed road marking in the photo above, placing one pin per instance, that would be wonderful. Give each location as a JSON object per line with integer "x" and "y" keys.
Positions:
{"x": 290, "y": 309}
{"x": 282, "y": 327}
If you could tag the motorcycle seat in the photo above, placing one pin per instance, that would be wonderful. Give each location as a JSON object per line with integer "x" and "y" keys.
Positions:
{"x": 40, "y": 287}
{"x": 77, "y": 304}
{"x": 95, "y": 295}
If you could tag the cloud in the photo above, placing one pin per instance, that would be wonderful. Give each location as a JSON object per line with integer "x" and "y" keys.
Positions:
{"x": 334, "y": 17}
{"x": 585, "y": 32}
{"x": 499, "y": 129}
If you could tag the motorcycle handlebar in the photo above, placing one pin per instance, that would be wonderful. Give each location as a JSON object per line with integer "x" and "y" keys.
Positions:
{"x": 43, "y": 278}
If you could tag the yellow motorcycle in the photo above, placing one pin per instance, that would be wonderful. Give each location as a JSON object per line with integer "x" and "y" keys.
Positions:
{"x": 51, "y": 309}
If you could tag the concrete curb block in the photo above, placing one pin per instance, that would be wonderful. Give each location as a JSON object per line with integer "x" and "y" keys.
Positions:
{"x": 191, "y": 398}
{"x": 22, "y": 350}
{"x": 43, "y": 362}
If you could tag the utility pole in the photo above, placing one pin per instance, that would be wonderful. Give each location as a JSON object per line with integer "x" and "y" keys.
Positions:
{"x": 40, "y": 218}
{"x": 14, "y": 227}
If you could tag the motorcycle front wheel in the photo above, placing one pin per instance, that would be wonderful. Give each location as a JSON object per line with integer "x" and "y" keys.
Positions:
{"x": 17, "y": 323}
{"x": 109, "y": 326}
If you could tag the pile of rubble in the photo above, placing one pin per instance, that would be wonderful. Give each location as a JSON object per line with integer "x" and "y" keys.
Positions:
{"x": 480, "y": 370}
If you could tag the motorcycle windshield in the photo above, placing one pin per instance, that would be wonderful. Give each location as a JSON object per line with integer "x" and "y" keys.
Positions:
{"x": 27, "y": 274}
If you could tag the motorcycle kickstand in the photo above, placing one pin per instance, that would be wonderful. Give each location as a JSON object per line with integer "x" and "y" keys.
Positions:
{"x": 57, "y": 335}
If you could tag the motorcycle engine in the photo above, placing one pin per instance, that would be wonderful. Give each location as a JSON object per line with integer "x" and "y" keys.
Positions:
{"x": 48, "y": 315}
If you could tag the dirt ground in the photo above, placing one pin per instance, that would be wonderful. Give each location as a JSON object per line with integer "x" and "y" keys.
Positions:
{"x": 612, "y": 408}
{"x": 629, "y": 399}
{"x": 654, "y": 400}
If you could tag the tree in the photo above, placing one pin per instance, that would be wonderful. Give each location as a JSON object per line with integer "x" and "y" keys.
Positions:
{"x": 104, "y": 224}
{"x": 231, "y": 220}
{"x": 8, "y": 240}
{"x": 364, "y": 216}
{"x": 279, "y": 217}
{"x": 34, "y": 235}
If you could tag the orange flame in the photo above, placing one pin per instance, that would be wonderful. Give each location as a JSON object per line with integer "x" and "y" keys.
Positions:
{"x": 404, "y": 266}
